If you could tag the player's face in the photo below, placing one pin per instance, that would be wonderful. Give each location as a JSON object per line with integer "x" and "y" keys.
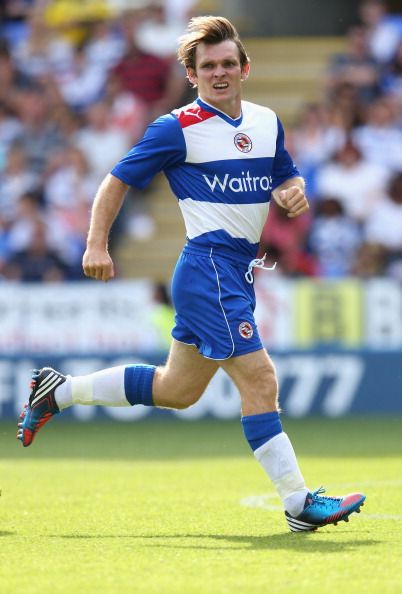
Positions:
{"x": 218, "y": 76}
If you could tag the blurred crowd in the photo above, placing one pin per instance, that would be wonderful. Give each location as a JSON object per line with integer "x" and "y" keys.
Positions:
{"x": 80, "y": 81}
{"x": 349, "y": 148}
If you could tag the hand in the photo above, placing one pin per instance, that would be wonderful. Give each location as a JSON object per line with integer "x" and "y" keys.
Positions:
{"x": 294, "y": 200}
{"x": 98, "y": 264}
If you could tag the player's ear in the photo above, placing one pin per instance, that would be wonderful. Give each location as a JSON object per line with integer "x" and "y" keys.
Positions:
{"x": 245, "y": 71}
{"x": 192, "y": 77}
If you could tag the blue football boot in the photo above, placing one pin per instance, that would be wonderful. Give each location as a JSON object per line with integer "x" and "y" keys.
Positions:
{"x": 320, "y": 510}
{"x": 42, "y": 405}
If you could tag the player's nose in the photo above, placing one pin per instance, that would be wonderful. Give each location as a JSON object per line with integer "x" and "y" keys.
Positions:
{"x": 219, "y": 71}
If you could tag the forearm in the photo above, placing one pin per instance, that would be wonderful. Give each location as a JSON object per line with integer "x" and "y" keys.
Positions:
{"x": 107, "y": 204}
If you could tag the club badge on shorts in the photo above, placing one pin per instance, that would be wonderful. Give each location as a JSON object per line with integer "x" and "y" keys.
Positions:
{"x": 243, "y": 143}
{"x": 246, "y": 330}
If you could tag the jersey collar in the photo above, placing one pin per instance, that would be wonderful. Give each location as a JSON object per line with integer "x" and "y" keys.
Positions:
{"x": 235, "y": 122}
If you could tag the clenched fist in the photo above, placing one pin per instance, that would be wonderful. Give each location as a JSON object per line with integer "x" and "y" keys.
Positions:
{"x": 98, "y": 264}
{"x": 294, "y": 200}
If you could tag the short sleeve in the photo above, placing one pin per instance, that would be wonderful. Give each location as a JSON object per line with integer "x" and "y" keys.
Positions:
{"x": 162, "y": 146}
{"x": 283, "y": 166}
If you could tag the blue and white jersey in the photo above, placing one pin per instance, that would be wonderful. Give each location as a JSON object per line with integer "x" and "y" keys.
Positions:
{"x": 221, "y": 170}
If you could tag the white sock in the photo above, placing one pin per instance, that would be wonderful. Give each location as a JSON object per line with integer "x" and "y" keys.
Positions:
{"x": 62, "y": 394}
{"x": 278, "y": 459}
{"x": 105, "y": 387}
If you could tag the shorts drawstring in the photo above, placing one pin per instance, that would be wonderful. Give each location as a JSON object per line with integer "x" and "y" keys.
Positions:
{"x": 257, "y": 263}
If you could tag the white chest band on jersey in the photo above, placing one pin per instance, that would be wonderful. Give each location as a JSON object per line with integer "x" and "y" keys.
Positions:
{"x": 257, "y": 263}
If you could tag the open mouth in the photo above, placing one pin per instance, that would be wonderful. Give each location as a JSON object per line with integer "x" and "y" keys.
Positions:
{"x": 221, "y": 85}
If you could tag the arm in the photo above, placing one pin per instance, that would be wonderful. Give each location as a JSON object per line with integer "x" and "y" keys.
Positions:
{"x": 290, "y": 195}
{"x": 162, "y": 146}
{"x": 96, "y": 261}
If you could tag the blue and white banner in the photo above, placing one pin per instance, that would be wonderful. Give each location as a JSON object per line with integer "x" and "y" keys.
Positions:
{"x": 337, "y": 345}
{"x": 333, "y": 384}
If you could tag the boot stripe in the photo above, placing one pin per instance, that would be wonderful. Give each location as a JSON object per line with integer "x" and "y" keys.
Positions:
{"x": 46, "y": 382}
{"x": 47, "y": 379}
{"x": 43, "y": 390}
{"x": 298, "y": 525}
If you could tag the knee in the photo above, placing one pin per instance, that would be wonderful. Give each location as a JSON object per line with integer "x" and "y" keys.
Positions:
{"x": 167, "y": 394}
{"x": 259, "y": 391}
{"x": 263, "y": 378}
{"x": 270, "y": 378}
{"x": 185, "y": 398}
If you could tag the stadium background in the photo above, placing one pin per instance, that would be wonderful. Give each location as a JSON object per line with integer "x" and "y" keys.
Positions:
{"x": 70, "y": 105}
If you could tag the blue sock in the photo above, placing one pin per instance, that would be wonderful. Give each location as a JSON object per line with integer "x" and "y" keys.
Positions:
{"x": 138, "y": 384}
{"x": 259, "y": 429}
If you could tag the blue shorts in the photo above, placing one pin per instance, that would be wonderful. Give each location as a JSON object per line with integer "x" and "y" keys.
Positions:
{"x": 214, "y": 304}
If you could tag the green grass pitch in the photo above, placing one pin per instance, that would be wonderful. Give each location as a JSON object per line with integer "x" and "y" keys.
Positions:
{"x": 159, "y": 507}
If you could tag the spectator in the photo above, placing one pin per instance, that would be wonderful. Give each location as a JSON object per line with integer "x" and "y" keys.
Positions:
{"x": 68, "y": 123}
{"x": 10, "y": 128}
{"x": 15, "y": 180}
{"x": 42, "y": 52}
{"x": 357, "y": 183}
{"x": 83, "y": 83}
{"x": 370, "y": 261}
{"x": 180, "y": 11}
{"x": 384, "y": 226}
{"x": 104, "y": 46}
{"x": 40, "y": 135}
{"x": 73, "y": 18}
{"x": 159, "y": 83}
{"x": 68, "y": 181}
{"x": 31, "y": 214}
{"x": 334, "y": 239}
{"x": 13, "y": 17}
{"x": 356, "y": 67}
{"x": 312, "y": 141}
{"x": 284, "y": 239}
{"x": 344, "y": 108}
{"x": 68, "y": 191}
{"x": 378, "y": 139}
{"x": 12, "y": 80}
{"x": 382, "y": 32}
{"x": 157, "y": 35}
{"x": 391, "y": 83}
{"x": 101, "y": 143}
{"x": 37, "y": 262}
{"x": 127, "y": 112}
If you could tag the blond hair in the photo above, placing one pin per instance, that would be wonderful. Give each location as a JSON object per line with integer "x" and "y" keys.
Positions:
{"x": 209, "y": 30}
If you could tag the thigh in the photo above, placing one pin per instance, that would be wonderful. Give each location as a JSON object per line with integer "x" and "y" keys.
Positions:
{"x": 184, "y": 378}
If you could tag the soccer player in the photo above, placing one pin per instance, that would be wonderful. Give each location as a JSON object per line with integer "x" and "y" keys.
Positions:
{"x": 224, "y": 159}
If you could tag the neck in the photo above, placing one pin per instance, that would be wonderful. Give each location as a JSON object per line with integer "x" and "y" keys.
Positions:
{"x": 233, "y": 110}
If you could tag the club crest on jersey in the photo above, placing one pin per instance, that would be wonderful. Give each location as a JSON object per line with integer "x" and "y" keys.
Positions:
{"x": 246, "y": 330}
{"x": 243, "y": 143}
